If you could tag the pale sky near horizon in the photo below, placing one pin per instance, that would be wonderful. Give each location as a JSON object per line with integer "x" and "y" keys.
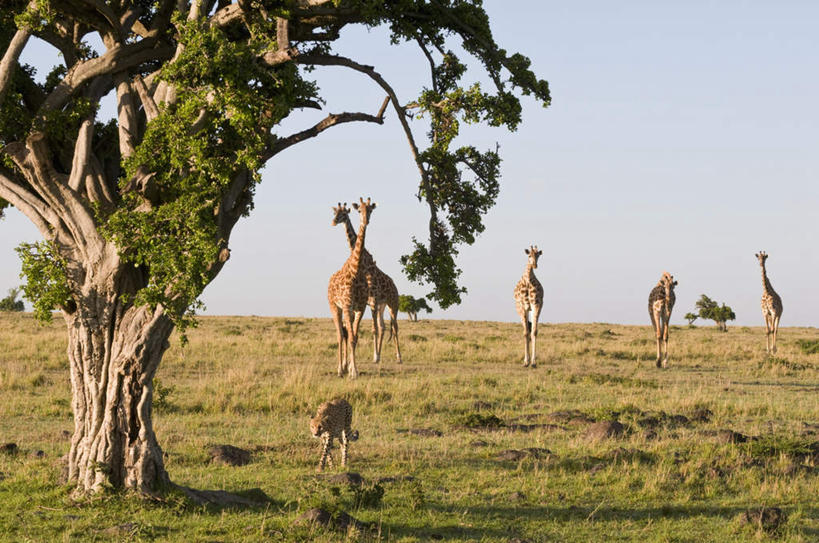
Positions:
{"x": 681, "y": 137}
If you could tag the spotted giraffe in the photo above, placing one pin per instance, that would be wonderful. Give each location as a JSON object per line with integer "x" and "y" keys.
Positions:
{"x": 529, "y": 300}
{"x": 771, "y": 306}
{"x": 347, "y": 294}
{"x": 660, "y": 303}
{"x": 381, "y": 288}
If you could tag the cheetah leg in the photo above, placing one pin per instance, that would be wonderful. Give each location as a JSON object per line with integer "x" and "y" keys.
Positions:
{"x": 325, "y": 452}
{"x": 775, "y": 330}
{"x": 535, "y": 317}
{"x": 343, "y": 448}
{"x": 342, "y": 347}
{"x": 524, "y": 317}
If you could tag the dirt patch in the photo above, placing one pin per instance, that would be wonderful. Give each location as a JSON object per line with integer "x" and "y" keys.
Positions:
{"x": 423, "y": 432}
{"x": 229, "y": 455}
{"x": 340, "y": 521}
{"x": 572, "y": 416}
{"x": 726, "y": 436}
{"x": 395, "y": 479}
{"x": 767, "y": 519}
{"x": 9, "y": 449}
{"x": 513, "y": 455}
{"x": 605, "y": 429}
{"x": 350, "y": 478}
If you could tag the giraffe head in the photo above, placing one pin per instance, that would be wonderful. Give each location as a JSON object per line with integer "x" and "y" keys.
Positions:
{"x": 534, "y": 254}
{"x": 668, "y": 282}
{"x": 762, "y": 256}
{"x": 340, "y": 214}
{"x": 364, "y": 209}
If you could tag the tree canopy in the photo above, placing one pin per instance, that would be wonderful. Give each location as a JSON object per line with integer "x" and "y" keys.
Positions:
{"x": 205, "y": 90}
{"x": 412, "y": 306}
{"x": 711, "y": 310}
{"x": 11, "y": 303}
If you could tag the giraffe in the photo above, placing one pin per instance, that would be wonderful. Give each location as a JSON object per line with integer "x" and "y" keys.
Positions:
{"x": 660, "y": 303}
{"x": 347, "y": 295}
{"x": 529, "y": 298}
{"x": 381, "y": 288}
{"x": 771, "y": 306}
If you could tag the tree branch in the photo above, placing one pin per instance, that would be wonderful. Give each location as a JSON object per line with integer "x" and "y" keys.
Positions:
{"x": 332, "y": 119}
{"x": 148, "y": 104}
{"x": 9, "y": 62}
{"x": 335, "y": 60}
{"x": 118, "y": 59}
{"x": 28, "y": 204}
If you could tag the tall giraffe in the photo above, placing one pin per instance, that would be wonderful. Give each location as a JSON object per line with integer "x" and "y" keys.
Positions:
{"x": 381, "y": 288}
{"x": 529, "y": 298}
{"x": 660, "y": 303}
{"x": 771, "y": 306}
{"x": 347, "y": 295}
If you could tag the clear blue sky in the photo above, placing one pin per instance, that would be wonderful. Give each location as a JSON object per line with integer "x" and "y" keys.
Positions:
{"x": 681, "y": 137}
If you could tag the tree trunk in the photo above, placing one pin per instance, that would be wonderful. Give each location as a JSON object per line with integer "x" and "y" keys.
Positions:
{"x": 114, "y": 350}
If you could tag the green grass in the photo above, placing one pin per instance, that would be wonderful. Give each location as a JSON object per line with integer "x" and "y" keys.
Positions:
{"x": 255, "y": 382}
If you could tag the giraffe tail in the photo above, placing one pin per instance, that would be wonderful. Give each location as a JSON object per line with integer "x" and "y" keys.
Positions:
{"x": 528, "y": 326}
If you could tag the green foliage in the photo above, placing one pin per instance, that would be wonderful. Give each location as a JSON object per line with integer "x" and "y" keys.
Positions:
{"x": 46, "y": 286}
{"x": 11, "y": 303}
{"x": 177, "y": 236}
{"x": 162, "y": 395}
{"x": 411, "y": 306}
{"x": 691, "y": 317}
{"x": 711, "y": 310}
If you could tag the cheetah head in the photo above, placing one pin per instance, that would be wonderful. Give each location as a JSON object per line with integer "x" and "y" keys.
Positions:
{"x": 315, "y": 428}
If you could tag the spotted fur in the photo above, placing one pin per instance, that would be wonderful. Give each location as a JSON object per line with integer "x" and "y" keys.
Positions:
{"x": 333, "y": 420}
{"x": 660, "y": 303}
{"x": 529, "y": 301}
{"x": 771, "y": 306}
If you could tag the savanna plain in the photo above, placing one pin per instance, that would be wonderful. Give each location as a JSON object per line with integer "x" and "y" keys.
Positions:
{"x": 459, "y": 443}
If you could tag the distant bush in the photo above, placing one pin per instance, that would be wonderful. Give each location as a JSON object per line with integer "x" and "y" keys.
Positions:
{"x": 476, "y": 420}
{"x": 808, "y": 346}
{"x": 11, "y": 303}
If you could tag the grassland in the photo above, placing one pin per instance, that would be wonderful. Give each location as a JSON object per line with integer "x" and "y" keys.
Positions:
{"x": 675, "y": 473}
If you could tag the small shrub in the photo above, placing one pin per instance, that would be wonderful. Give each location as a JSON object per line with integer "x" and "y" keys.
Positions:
{"x": 477, "y": 420}
{"x": 417, "y": 498}
{"x": 808, "y": 346}
{"x": 37, "y": 380}
{"x": 162, "y": 393}
{"x": 416, "y": 338}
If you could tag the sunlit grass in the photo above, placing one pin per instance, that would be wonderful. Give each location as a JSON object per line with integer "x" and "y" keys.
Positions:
{"x": 254, "y": 383}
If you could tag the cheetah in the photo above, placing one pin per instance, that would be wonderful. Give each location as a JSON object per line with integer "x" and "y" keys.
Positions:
{"x": 333, "y": 419}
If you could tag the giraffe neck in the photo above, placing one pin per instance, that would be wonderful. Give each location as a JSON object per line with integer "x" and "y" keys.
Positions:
{"x": 766, "y": 285}
{"x": 529, "y": 273}
{"x": 358, "y": 248}
{"x": 351, "y": 235}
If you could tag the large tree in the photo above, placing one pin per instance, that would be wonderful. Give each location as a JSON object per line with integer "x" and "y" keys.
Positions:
{"x": 136, "y": 213}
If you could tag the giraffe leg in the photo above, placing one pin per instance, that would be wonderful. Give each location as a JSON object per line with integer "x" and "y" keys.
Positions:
{"x": 768, "y": 325}
{"x": 342, "y": 348}
{"x": 524, "y": 317}
{"x": 394, "y": 330}
{"x": 351, "y": 340}
{"x": 535, "y": 317}
{"x": 356, "y": 322}
{"x": 658, "y": 331}
{"x": 380, "y": 341}
{"x": 343, "y": 448}
{"x": 775, "y": 330}
{"x": 376, "y": 346}
{"x": 665, "y": 342}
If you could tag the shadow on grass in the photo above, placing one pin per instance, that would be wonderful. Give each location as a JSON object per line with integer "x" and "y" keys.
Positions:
{"x": 512, "y": 516}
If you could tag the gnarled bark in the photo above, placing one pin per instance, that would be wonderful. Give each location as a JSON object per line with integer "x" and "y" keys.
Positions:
{"x": 114, "y": 350}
